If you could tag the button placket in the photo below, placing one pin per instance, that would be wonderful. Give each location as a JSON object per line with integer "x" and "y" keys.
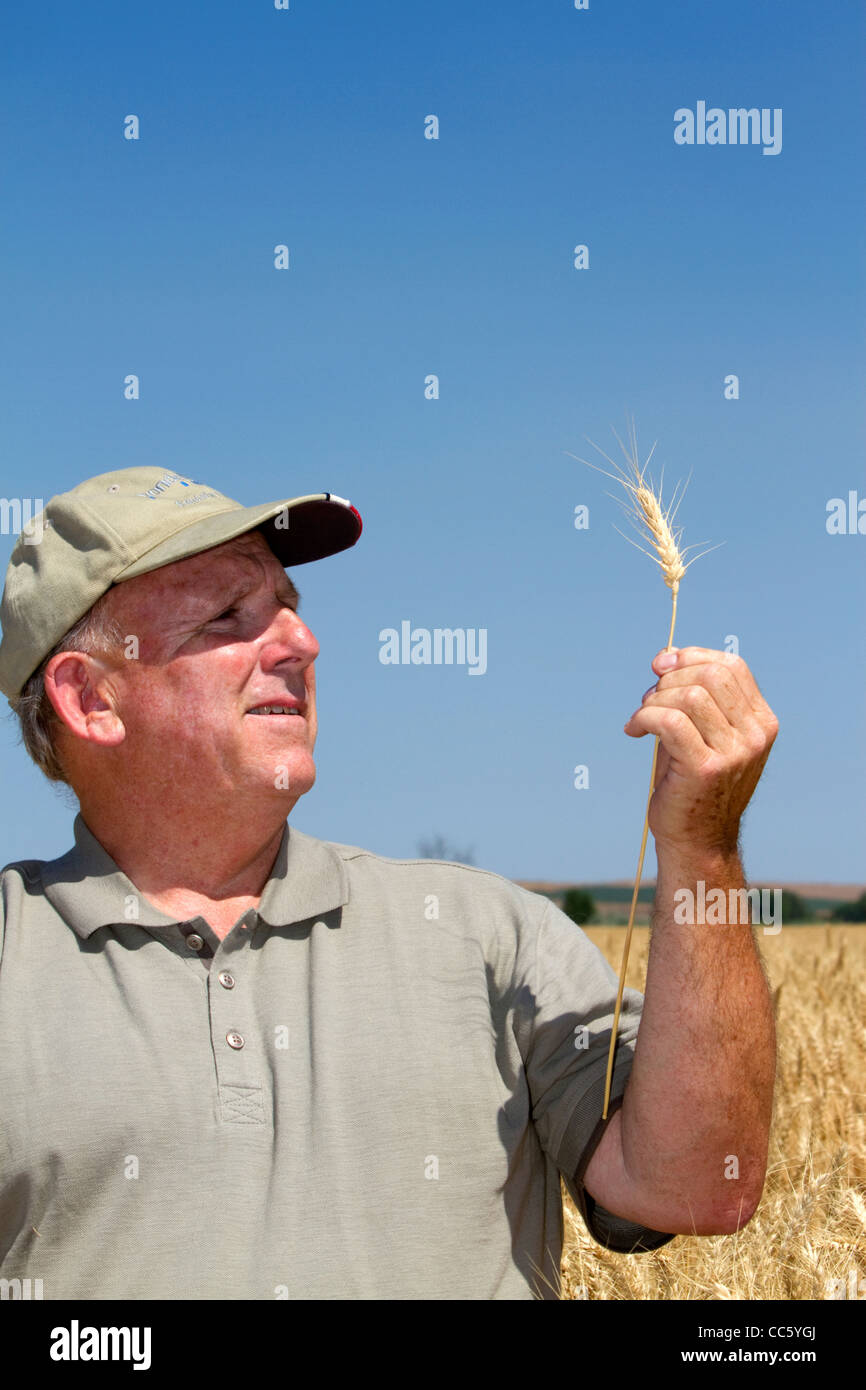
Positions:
{"x": 237, "y": 1057}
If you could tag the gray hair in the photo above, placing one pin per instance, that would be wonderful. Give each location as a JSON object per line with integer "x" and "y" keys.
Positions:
{"x": 96, "y": 632}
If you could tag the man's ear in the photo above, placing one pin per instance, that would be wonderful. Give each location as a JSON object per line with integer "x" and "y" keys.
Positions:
{"x": 79, "y": 687}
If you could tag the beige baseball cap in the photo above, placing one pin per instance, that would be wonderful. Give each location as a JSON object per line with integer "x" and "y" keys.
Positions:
{"x": 119, "y": 525}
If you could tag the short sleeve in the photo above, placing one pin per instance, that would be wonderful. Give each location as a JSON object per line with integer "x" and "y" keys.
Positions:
{"x": 568, "y": 1001}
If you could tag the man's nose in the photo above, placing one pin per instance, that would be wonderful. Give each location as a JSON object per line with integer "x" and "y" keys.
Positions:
{"x": 289, "y": 637}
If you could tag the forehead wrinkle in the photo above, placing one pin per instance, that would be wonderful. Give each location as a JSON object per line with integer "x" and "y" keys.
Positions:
{"x": 229, "y": 587}
{"x": 235, "y": 571}
{"x": 221, "y": 579}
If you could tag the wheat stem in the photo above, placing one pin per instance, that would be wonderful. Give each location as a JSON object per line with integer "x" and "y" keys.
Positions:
{"x": 655, "y": 525}
{"x": 638, "y": 875}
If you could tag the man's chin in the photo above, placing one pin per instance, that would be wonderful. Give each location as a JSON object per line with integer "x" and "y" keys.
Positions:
{"x": 292, "y": 778}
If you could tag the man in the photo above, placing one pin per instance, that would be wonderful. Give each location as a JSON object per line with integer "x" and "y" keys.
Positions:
{"x": 241, "y": 1062}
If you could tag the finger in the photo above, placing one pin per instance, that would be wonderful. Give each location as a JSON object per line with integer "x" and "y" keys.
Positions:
{"x": 694, "y": 656}
{"x": 721, "y": 682}
{"x": 698, "y": 705}
{"x": 677, "y": 734}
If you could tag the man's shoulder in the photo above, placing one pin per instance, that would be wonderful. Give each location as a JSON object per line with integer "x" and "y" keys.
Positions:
{"x": 20, "y": 881}
{"x": 464, "y": 879}
{"x": 34, "y": 872}
{"x": 39, "y": 873}
{"x": 30, "y": 870}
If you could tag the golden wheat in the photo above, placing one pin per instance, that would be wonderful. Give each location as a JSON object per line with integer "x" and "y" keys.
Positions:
{"x": 647, "y": 514}
{"x": 669, "y": 556}
{"x": 646, "y": 511}
{"x": 807, "y": 1239}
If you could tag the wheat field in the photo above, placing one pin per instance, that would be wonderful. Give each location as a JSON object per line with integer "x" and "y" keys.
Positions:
{"x": 810, "y": 1227}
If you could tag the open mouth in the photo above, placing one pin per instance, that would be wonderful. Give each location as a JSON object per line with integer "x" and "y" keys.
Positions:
{"x": 277, "y": 712}
{"x": 286, "y": 706}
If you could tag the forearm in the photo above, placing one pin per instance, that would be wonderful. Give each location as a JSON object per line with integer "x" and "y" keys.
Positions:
{"x": 696, "y": 1114}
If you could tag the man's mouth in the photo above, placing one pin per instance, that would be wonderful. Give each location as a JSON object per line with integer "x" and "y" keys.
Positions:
{"x": 277, "y": 711}
{"x": 281, "y": 709}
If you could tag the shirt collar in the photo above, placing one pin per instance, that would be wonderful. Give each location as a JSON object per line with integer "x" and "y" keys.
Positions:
{"x": 89, "y": 891}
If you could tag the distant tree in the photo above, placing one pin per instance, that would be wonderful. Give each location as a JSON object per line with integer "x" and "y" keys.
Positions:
{"x": 439, "y": 848}
{"x": 578, "y": 905}
{"x": 794, "y": 908}
{"x": 850, "y": 912}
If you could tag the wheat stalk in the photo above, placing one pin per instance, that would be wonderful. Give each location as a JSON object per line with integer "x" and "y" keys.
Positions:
{"x": 652, "y": 522}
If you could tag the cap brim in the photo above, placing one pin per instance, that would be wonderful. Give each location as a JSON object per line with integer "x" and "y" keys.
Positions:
{"x": 298, "y": 530}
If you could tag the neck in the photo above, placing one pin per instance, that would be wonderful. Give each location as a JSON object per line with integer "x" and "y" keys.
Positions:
{"x": 215, "y": 866}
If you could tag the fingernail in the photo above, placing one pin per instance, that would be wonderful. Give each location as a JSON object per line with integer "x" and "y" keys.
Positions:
{"x": 648, "y": 692}
{"x": 666, "y": 661}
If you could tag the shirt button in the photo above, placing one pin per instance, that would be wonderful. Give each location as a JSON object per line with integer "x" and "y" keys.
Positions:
{"x": 234, "y": 1040}
{"x": 226, "y": 980}
{"x": 195, "y": 942}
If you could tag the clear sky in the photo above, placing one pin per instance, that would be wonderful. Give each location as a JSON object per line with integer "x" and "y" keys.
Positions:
{"x": 454, "y": 257}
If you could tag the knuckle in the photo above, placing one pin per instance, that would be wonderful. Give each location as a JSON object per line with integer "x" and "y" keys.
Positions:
{"x": 736, "y": 666}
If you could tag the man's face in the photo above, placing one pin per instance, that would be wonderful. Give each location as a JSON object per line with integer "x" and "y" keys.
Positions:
{"x": 218, "y": 635}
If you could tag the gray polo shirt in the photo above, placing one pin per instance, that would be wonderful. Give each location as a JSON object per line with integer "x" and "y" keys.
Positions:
{"x": 367, "y": 1090}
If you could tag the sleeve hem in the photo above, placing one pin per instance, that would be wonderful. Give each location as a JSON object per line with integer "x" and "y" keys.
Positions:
{"x": 615, "y": 1233}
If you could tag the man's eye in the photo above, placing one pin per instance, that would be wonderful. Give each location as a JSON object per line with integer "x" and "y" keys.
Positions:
{"x": 229, "y": 613}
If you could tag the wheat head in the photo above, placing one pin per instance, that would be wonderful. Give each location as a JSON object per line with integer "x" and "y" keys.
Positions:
{"x": 663, "y": 538}
{"x": 653, "y": 523}
{"x": 646, "y": 512}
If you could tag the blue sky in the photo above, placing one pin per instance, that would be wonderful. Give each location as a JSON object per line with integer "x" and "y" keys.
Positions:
{"x": 454, "y": 257}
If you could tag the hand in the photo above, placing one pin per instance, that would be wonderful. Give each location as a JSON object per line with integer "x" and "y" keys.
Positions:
{"x": 716, "y": 731}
